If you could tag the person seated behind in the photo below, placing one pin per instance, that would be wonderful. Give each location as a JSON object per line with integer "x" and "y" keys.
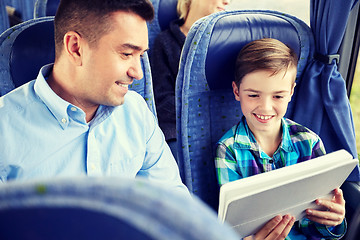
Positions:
{"x": 78, "y": 117}
{"x": 264, "y": 140}
{"x": 165, "y": 57}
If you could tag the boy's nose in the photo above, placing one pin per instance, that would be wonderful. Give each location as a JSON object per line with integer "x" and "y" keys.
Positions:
{"x": 266, "y": 104}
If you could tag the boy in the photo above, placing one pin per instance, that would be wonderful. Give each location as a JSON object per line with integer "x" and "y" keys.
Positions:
{"x": 264, "y": 140}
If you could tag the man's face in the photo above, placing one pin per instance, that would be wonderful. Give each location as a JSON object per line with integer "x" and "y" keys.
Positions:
{"x": 109, "y": 67}
{"x": 264, "y": 98}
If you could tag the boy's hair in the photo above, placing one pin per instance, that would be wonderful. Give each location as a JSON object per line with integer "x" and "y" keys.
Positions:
{"x": 183, "y": 8}
{"x": 264, "y": 54}
{"x": 92, "y": 18}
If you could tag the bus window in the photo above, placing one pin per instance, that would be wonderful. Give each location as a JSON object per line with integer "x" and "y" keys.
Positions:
{"x": 354, "y": 102}
{"x": 297, "y": 8}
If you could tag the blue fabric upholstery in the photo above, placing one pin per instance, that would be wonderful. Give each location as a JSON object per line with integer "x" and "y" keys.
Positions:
{"x": 206, "y": 107}
{"x": 45, "y": 8}
{"x": 4, "y": 19}
{"x": 26, "y": 47}
{"x": 24, "y": 7}
{"x": 104, "y": 208}
{"x": 165, "y": 12}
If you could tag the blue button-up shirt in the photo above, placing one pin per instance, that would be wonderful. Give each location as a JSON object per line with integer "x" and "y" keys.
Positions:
{"x": 42, "y": 135}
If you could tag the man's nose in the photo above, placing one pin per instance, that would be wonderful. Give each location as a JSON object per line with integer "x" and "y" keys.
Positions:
{"x": 135, "y": 71}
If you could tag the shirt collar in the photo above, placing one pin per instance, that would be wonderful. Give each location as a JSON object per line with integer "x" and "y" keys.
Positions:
{"x": 286, "y": 142}
{"x": 245, "y": 139}
{"x": 61, "y": 109}
{"x": 57, "y": 106}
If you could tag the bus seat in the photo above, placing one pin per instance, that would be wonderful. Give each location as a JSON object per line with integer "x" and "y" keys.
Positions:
{"x": 165, "y": 12}
{"x": 26, "y": 47}
{"x": 4, "y": 19}
{"x": 353, "y": 232}
{"x": 205, "y": 104}
{"x": 24, "y": 7}
{"x": 104, "y": 208}
{"x": 45, "y": 8}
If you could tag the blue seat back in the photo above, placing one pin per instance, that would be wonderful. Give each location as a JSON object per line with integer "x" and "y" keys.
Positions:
{"x": 165, "y": 12}
{"x": 4, "y": 19}
{"x": 205, "y": 104}
{"x": 28, "y": 46}
{"x": 45, "y": 8}
{"x": 103, "y": 208}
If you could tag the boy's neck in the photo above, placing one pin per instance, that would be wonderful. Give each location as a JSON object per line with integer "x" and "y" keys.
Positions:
{"x": 269, "y": 141}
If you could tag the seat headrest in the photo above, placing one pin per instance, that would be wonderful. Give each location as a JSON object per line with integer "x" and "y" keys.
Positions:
{"x": 33, "y": 48}
{"x": 166, "y": 13}
{"x": 232, "y": 32}
{"x": 51, "y": 7}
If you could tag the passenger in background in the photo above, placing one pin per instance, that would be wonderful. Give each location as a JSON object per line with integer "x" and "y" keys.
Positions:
{"x": 264, "y": 140}
{"x": 78, "y": 117}
{"x": 14, "y": 16}
{"x": 165, "y": 57}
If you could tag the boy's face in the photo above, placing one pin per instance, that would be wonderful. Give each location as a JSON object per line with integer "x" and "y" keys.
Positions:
{"x": 264, "y": 99}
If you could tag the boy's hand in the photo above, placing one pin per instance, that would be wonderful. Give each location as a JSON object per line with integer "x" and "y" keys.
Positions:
{"x": 335, "y": 213}
{"x": 277, "y": 228}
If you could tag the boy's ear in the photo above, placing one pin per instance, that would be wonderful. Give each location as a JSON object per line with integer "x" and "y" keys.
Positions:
{"x": 236, "y": 91}
{"x": 292, "y": 91}
{"x": 72, "y": 46}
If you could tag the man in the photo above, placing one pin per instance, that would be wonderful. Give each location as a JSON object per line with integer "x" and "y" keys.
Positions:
{"x": 78, "y": 117}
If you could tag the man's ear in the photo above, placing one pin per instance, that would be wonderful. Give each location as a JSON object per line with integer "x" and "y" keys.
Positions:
{"x": 73, "y": 47}
{"x": 236, "y": 91}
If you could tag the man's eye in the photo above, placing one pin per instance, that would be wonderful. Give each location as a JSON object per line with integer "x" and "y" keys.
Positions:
{"x": 126, "y": 54}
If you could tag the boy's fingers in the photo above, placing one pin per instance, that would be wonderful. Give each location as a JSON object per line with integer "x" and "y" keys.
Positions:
{"x": 338, "y": 196}
{"x": 336, "y": 205}
{"x": 334, "y": 221}
{"x": 281, "y": 231}
{"x": 269, "y": 226}
{"x": 277, "y": 228}
{"x": 330, "y": 207}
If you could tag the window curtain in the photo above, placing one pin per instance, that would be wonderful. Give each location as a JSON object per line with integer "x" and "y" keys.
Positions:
{"x": 324, "y": 106}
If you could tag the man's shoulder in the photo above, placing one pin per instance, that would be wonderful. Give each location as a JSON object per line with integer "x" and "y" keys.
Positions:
{"x": 18, "y": 99}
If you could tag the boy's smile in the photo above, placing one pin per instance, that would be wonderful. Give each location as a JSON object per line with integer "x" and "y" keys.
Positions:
{"x": 264, "y": 99}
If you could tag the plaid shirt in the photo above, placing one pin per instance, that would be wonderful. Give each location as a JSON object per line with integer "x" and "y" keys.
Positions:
{"x": 238, "y": 155}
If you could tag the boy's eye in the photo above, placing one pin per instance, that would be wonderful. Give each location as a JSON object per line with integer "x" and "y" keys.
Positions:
{"x": 253, "y": 95}
{"x": 278, "y": 97}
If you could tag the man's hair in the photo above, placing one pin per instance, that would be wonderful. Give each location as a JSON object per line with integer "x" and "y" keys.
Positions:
{"x": 183, "y": 8}
{"x": 264, "y": 54}
{"x": 92, "y": 18}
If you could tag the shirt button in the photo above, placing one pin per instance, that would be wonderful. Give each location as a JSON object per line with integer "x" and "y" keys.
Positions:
{"x": 63, "y": 120}
{"x": 92, "y": 166}
{"x": 271, "y": 161}
{"x": 73, "y": 109}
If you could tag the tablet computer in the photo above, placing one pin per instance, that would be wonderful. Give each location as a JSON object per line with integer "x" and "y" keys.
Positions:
{"x": 247, "y": 204}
